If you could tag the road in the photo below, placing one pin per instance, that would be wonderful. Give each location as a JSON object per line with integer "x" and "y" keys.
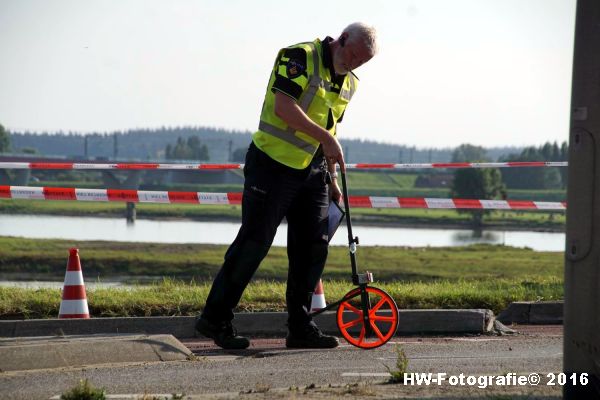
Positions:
{"x": 268, "y": 370}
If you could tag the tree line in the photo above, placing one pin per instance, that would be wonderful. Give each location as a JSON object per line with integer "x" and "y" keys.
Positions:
{"x": 223, "y": 146}
{"x": 538, "y": 178}
{"x": 492, "y": 183}
{"x": 469, "y": 183}
{"x": 4, "y": 140}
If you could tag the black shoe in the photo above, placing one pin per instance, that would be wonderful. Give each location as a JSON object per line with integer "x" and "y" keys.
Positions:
{"x": 310, "y": 337}
{"x": 223, "y": 334}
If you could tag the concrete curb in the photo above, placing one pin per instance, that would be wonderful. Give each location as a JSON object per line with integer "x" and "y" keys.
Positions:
{"x": 55, "y": 352}
{"x": 533, "y": 312}
{"x": 477, "y": 321}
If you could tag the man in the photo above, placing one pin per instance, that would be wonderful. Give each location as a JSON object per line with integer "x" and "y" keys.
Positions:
{"x": 288, "y": 166}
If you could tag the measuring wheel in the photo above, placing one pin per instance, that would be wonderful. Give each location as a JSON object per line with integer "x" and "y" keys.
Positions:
{"x": 382, "y": 318}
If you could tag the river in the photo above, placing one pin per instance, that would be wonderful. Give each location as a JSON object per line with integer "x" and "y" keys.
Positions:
{"x": 178, "y": 231}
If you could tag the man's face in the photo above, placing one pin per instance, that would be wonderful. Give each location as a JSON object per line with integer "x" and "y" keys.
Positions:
{"x": 350, "y": 57}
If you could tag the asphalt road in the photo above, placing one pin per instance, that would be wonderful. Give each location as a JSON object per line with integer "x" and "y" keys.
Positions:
{"x": 268, "y": 370}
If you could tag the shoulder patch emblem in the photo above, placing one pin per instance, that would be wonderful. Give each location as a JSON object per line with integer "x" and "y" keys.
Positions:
{"x": 295, "y": 68}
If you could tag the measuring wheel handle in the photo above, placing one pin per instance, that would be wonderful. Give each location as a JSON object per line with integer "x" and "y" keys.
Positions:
{"x": 381, "y": 317}
{"x": 363, "y": 279}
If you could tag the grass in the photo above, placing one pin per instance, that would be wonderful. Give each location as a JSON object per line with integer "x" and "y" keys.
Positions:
{"x": 46, "y": 258}
{"x": 401, "y": 367}
{"x": 175, "y": 298}
{"x": 477, "y": 276}
{"x": 376, "y": 180}
{"x": 84, "y": 391}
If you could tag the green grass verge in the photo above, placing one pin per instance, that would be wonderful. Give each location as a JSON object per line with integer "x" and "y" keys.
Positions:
{"x": 103, "y": 260}
{"x": 478, "y": 276}
{"x": 170, "y": 298}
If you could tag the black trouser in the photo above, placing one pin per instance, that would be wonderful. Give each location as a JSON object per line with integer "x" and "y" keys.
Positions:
{"x": 273, "y": 191}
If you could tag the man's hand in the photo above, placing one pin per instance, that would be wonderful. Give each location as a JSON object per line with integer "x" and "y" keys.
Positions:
{"x": 333, "y": 152}
{"x": 336, "y": 193}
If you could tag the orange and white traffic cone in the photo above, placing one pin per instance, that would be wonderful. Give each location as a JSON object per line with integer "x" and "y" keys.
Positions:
{"x": 318, "y": 298}
{"x": 74, "y": 301}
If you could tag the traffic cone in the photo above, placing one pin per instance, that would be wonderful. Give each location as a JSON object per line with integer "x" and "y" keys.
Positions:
{"x": 74, "y": 301}
{"x": 318, "y": 298}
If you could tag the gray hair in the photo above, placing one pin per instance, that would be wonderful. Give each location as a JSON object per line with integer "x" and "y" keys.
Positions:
{"x": 360, "y": 31}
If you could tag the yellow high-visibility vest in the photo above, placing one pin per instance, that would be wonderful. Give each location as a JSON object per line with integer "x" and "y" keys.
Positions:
{"x": 281, "y": 142}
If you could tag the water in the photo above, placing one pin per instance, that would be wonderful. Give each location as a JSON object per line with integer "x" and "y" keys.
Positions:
{"x": 148, "y": 231}
{"x": 33, "y": 284}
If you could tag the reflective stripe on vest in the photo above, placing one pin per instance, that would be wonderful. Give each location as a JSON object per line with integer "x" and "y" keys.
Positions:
{"x": 314, "y": 83}
{"x": 287, "y": 136}
{"x": 347, "y": 94}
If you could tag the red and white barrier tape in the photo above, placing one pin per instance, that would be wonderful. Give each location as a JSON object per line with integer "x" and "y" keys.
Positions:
{"x": 148, "y": 166}
{"x": 147, "y": 196}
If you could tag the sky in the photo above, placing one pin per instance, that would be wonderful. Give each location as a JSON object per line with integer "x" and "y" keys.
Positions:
{"x": 485, "y": 72}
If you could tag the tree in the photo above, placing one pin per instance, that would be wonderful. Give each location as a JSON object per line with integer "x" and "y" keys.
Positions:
{"x": 191, "y": 149}
{"x": 468, "y": 153}
{"x": 4, "y": 140}
{"x": 239, "y": 155}
{"x": 555, "y": 152}
{"x": 564, "y": 156}
{"x": 475, "y": 183}
{"x": 535, "y": 177}
{"x": 198, "y": 151}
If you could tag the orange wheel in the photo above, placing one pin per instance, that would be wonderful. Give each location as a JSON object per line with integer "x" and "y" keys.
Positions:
{"x": 383, "y": 318}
